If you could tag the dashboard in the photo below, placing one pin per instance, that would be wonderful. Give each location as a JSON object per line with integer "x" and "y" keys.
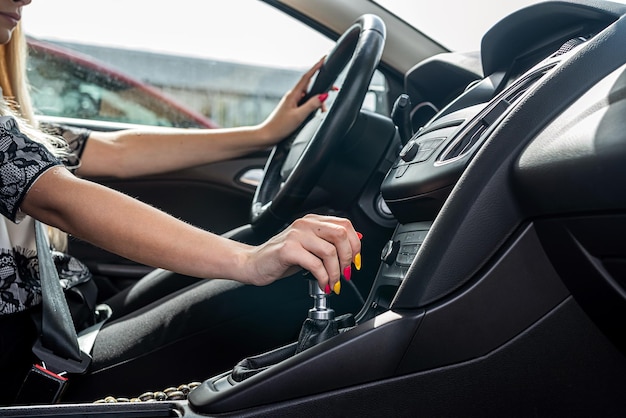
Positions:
{"x": 458, "y": 102}
{"x": 515, "y": 55}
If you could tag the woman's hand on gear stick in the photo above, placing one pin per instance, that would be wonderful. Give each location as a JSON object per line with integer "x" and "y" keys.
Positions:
{"x": 323, "y": 245}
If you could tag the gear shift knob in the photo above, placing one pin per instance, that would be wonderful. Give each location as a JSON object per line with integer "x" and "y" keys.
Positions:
{"x": 320, "y": 308}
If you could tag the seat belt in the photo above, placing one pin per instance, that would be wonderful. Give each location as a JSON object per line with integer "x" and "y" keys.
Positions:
{"x": 57, "y": 346}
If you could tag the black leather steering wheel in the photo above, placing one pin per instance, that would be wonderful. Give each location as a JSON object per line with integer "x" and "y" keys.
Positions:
{"x": 295, "y": 164}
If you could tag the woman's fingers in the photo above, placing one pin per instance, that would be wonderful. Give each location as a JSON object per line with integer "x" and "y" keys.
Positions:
{"x": 303, "y": 84}
{"x": 289, "y": 113}
{"x": 301, "y": 89}
{"x": 327, "y": 245}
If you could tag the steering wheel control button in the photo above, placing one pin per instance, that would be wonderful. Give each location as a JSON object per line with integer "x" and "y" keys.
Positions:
{"x": 390, "y": 252}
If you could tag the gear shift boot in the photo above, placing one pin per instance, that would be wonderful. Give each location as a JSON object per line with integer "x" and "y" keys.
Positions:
{"x": 314, "y": 331}
{"x": 250, "y": 366}
{"x": 320, "y": 325}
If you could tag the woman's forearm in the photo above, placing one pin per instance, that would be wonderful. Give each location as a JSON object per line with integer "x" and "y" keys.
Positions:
{"x": 127, "y": 227}
{"x": 323, "y": 245}
{"x": 143, "y": 152}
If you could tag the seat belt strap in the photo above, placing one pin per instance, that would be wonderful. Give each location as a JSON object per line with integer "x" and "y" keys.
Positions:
{"x": 57, "y": 346}
{"x": 57, "y": 329}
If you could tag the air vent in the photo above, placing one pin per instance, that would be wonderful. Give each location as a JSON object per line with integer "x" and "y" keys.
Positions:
{"x": 517, "y": 90}
{"x": 466, "y": 141}
{"x": 476, "y": 129}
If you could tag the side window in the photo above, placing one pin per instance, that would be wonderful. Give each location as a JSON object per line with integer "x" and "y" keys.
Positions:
{"x": 66, "y": 84}
{"x": 212, "y": 66}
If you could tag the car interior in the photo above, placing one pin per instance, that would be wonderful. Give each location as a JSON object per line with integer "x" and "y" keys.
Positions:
{"x": 493, "y": 221}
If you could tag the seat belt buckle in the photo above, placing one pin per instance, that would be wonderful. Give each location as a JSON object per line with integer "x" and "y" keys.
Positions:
{"x": 45, "y": 383}
{"x": 41, "y": 386}
{"x": 59, "y": 364}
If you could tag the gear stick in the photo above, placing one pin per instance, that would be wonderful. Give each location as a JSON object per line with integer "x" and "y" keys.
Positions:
{"x": 319, "y": 326}
{"x": 321, "y": 323}
{"x": 320, "y": 309}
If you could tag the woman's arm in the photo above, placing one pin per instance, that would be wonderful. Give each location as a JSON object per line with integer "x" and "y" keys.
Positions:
{"x": 140, "y": 152}
{"x": 120, "y": 224}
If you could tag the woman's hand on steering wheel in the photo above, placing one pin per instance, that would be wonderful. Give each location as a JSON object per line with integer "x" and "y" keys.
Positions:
{"x": 323, "y": 245}
{"x": 289, "y": 114}
{"x": 292, "y": 172}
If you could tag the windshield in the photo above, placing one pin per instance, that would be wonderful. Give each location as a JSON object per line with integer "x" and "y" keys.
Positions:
{"x": 456, "y": 24}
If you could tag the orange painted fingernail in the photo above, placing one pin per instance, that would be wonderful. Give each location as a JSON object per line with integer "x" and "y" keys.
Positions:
{"x": 357, "y": 261}
{"x": 358, "y": 234}
{"x": 327, "y": 289}
{"x": 347, "y": 273}
{"x": 337, "y": 288}
{"x": 323, "y": 97}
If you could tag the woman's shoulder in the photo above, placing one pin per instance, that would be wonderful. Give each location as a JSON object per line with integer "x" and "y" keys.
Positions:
{"x": 22, "y": 161}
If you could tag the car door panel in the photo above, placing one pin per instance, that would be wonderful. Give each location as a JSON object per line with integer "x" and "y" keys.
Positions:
{"x": 210, "y": 197}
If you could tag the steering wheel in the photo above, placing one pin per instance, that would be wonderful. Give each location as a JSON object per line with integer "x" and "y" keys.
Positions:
{"x": 295, "y": 164}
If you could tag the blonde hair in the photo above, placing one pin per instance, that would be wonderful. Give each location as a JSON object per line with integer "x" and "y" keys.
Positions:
{"x": 16, "y": 99}
{"x": 16, "y": 102}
